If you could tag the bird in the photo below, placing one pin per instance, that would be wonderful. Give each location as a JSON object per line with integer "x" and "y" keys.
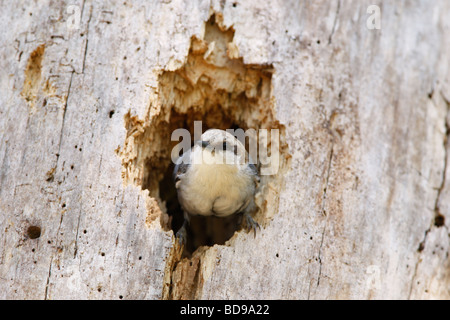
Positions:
{"x": 213, "y": 178}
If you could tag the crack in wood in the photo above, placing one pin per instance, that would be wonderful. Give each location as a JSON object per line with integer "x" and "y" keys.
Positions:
{"x": 335, "y": 22}
{"x": 438, "y": 215}
{"x": 324, "y": 196}
{"x": 87, "y": 39}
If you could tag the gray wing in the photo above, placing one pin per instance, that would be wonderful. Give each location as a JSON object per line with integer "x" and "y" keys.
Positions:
{"x": 253, "y": 171}
{"x": 181, "y": 166}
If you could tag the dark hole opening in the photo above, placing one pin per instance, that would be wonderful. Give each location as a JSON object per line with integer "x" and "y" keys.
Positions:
{"x": 202, "y": 231}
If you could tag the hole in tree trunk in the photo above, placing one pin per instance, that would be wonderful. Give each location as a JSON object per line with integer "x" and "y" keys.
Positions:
{"x": 216, "y": 87}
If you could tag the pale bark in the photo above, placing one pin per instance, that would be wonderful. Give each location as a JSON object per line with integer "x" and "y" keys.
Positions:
{"x": 360, "y": 208}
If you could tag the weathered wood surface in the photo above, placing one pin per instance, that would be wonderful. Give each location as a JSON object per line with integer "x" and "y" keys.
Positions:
{"x": 362, "y": 210}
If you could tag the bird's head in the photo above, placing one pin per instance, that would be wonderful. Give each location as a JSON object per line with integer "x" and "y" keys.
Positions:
{"x": 221, "y": 143}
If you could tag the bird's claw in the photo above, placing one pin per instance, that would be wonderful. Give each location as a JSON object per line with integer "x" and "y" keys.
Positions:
{"x": 251, "y": 223}
{"x": 181, "y": 236}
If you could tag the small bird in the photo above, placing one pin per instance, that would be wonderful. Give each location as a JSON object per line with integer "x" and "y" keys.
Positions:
{"x": 213, "y": 179}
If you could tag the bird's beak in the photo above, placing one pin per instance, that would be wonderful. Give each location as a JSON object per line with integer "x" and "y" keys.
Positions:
{"x": 204, "y": 144}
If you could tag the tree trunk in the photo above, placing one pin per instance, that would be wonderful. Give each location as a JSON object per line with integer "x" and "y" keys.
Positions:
{"x": 90, "y": 93}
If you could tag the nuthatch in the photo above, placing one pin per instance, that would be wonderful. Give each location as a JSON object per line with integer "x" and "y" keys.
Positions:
{"x": 213, "y": 178}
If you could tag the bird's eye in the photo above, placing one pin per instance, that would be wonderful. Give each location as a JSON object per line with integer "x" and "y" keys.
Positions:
{"x": 224, "y": 145}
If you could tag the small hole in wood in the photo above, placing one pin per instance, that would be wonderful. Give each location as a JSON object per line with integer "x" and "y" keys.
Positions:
{"x": 33, "y": 232}
{"x": 439, "y": 220}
